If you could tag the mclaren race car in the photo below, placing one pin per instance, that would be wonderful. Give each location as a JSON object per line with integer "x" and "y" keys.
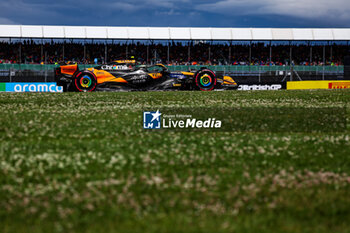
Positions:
{"x": 126, "y": 75}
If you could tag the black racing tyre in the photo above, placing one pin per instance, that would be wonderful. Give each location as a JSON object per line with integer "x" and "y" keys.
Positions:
{"x": 85, "y": 82}
{"x": 205, "y": 80}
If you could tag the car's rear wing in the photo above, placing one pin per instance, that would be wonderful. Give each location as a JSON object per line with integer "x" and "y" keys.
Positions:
{"x": 67, "y": 69}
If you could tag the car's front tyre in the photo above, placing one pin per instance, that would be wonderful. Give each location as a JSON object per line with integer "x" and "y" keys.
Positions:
{"x": 205, "y": 80}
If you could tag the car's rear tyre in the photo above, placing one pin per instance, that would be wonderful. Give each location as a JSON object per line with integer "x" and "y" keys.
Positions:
{"x": 85, "y": 82}
{"x": 205, "y": 80}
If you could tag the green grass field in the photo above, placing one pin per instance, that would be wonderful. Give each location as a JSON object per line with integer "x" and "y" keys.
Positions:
{"x": 81, "y": 162}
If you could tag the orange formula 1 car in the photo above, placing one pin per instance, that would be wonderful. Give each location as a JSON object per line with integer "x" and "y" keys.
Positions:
{"x": 125, "y": 75}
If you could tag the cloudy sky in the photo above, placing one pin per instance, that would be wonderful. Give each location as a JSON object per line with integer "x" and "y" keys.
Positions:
{"x": 196, "y": 13}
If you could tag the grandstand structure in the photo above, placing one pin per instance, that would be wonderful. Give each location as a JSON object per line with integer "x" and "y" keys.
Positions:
{"x": 173, "y": 33}
{"x": 287, "y": 36}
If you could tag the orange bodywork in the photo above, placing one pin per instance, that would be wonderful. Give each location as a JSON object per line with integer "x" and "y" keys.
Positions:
{"x": 104, "y": 76}
{"x": 187, "y": 73}
{"x": 228, "y": 80}
{"x": 69, "y": 69}
{"x": 155, "y": 75}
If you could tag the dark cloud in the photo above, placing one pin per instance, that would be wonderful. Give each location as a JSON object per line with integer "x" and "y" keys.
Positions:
{"x": 325, "y": 11}
{"x": 219, "y": 13}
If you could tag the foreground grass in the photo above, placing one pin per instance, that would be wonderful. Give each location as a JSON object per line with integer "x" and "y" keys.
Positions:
{"x": 82, "y": 163}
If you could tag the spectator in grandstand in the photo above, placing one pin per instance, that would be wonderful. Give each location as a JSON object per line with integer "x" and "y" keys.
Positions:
{"x": 32, "y": 52}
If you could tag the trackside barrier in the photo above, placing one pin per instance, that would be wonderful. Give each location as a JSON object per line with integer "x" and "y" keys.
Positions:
{"x": 329, "y": 84}
{"x": 30, "y": 87}
{"x": 244, "y": 68}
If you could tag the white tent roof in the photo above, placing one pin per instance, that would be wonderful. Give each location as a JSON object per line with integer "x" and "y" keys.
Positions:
{"x": 174, "y": 33}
